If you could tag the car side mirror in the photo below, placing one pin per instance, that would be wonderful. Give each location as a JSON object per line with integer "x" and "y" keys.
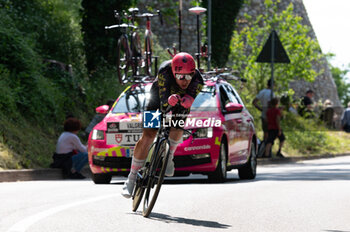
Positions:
{"x": 102, "y": 109}
{"x": 233, "y": 107}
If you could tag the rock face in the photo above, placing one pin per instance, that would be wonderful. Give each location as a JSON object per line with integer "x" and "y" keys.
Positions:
{"x": 324, "y": 86}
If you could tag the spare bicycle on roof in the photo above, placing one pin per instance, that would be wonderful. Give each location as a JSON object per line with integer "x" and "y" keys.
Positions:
{"x": 131, "y": 59}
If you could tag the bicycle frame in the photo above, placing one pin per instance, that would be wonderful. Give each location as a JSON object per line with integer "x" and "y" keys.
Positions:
{"x": 149, "y": 43}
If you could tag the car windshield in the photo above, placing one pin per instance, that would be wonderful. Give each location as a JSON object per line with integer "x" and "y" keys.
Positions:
{"x": 132, "y": 101}
{"x": 205, "y": 100}
{"x": 135, "y": 100}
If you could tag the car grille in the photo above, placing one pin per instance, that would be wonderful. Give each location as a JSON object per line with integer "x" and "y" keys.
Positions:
{"x": 186, "y": 161}
{"x": 125, "y": 162}
{"x": 114, "y": 162}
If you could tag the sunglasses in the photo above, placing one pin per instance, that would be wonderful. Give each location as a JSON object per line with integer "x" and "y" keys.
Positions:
{"x": 188, "y": 77}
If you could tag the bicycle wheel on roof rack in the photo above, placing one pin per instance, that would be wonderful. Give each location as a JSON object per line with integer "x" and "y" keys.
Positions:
{"x": 123, "y": 59}
{"x": 136, "y": 54}
{"x": 148, "y": 54}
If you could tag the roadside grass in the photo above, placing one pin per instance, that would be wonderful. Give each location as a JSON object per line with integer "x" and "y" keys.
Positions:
{"x": 24, "y": 145}
{"x": 309, "y": 137}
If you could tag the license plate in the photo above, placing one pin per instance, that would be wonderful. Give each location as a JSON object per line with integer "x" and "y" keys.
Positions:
{"x": 123, "y": 139}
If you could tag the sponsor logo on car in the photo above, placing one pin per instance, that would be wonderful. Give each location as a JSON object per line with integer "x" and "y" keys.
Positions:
{"x": 204, "y": 147}
{"x": 118, "y": 138}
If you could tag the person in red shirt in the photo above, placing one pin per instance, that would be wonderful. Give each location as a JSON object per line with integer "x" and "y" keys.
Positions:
{"x": 273, "y": 116}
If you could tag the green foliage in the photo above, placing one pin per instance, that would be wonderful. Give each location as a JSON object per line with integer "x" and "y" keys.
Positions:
{"x": 102, "y": 86}
{"x": 34, "y": 96}
{"x": 51, "y": 28}
{"x": 224, "y": 14}
{"x": 301, "y": 49}
{"x": 343, "y": 86}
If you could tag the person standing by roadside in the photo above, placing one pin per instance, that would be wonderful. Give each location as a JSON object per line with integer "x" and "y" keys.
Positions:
{"x": 345, "y": 119}
{"x": 274, "y": 128}
{"x": 264, "y": 96}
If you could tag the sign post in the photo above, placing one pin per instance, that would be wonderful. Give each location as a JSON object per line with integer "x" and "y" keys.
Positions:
{"x": 273, "y": 52}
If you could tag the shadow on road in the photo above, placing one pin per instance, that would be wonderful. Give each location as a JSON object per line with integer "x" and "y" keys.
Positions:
{"x": 193, "y": 179}
{"x": 195, "y": 222}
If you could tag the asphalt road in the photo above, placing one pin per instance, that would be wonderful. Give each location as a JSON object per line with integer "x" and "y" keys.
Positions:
{"x": 305, "y": 196}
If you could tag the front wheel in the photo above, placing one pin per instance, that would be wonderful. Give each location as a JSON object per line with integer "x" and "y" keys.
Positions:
{"x": 220, "y": 173}
{"x": 123, "y": 59}
{"x": 138, "y": 192}
{"x": 248, "y": 171}
{"x": 156, "y": 176}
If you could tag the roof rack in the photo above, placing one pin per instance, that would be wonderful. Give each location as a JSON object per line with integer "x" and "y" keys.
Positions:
{"x": 138, "y": 79}
{"x": 226, "y": 74}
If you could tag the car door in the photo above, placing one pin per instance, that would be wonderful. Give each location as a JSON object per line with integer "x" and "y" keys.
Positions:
{"x": 244, "y": 126}
{"x": 243, "y": 121}
{"x": 232, "y": 123}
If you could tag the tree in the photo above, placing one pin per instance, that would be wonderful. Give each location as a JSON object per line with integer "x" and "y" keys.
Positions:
{"x": 100, "y": 46}
{"x": 343, "y": 87}
{"x": 224, "y": 14}
{"x": 302, "y": 50}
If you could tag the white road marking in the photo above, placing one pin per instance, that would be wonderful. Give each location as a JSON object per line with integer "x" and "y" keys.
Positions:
{"x": 24, "y": 224}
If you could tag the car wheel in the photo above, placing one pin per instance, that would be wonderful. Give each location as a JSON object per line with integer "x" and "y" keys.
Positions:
{"x": 220, "y": 173}
{"x": 101, "y": 178}
{"x": 248, "y": 171}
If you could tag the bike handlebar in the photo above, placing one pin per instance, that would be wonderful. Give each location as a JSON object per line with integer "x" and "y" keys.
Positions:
{"x": 150, "y": 15}
{"x": 123, "y": 25}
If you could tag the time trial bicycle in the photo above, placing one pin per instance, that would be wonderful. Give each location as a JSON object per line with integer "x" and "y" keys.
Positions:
{"x": 150, "y": 177}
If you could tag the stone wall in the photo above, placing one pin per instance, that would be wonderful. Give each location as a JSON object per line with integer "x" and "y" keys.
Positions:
{"x": 168, "y": 34}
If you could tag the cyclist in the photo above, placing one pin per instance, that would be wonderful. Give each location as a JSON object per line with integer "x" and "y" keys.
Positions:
{"x": 177, "y": 81}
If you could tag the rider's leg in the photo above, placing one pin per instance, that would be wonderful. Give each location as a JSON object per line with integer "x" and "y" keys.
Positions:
{"x": 140, "y": 154}
{"x": 175, "y": 138}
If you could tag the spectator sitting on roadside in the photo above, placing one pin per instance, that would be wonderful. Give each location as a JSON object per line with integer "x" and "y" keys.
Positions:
{"x": 345, "y": 119}
{"x": 274, "y": 115}
{"x": 306, "y": 108}
{"x": 70, "y": 155}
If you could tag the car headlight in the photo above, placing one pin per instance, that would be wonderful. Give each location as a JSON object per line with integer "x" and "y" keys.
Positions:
{"x": 203, "y": 133}
{"x": 97, "y": 135}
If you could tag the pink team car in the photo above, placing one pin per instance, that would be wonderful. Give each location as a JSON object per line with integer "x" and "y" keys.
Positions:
{"x": 223, "y": 135}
